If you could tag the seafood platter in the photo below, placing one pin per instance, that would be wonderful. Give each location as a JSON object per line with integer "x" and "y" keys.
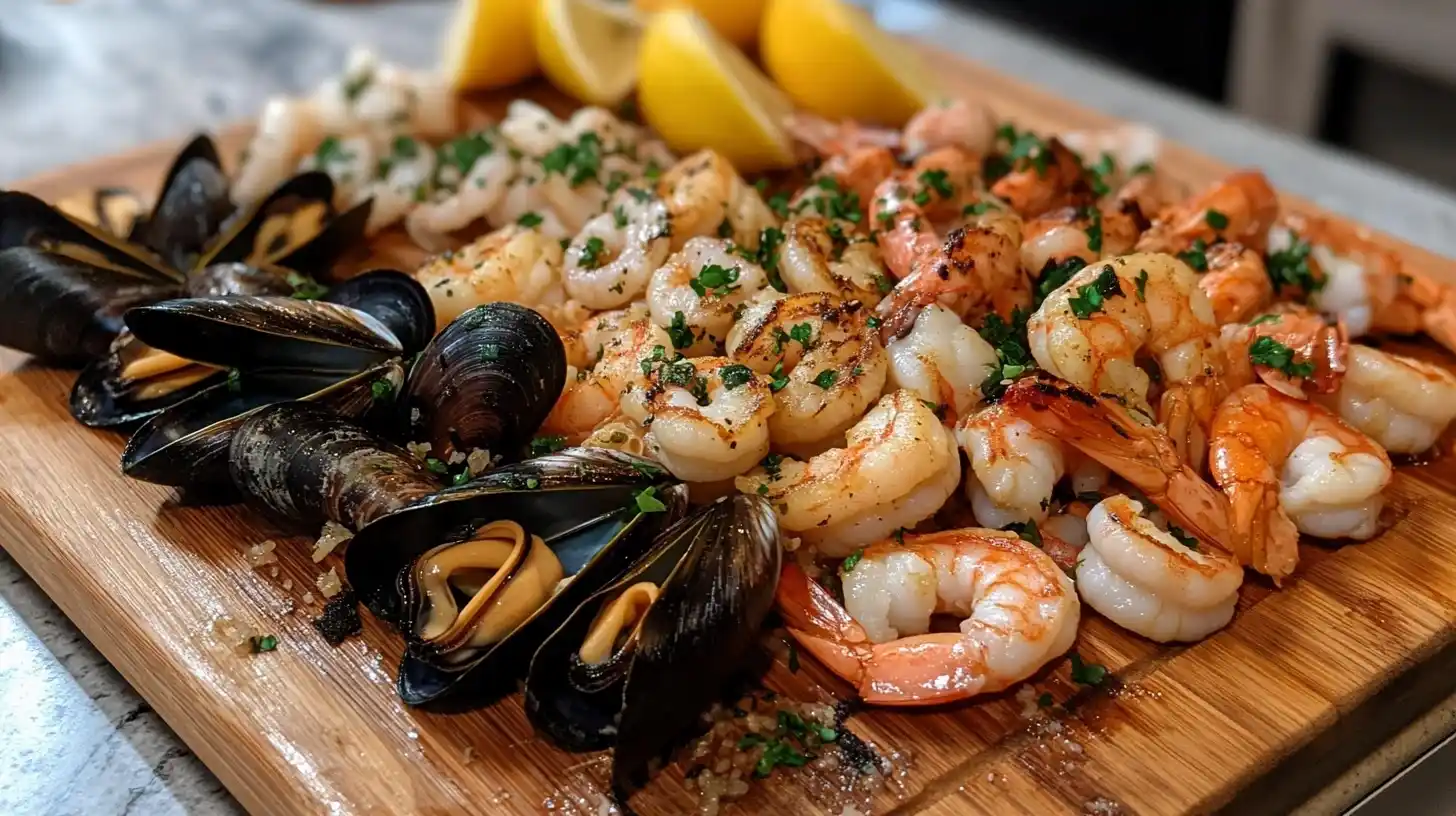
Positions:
{"x": 418, "y": 452}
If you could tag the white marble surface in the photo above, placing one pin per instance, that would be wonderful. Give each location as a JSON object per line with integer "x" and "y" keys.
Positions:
{"x": 90, "y": 77}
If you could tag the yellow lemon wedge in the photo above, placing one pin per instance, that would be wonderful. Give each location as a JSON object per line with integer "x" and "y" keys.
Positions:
{"x": 697, "y": 90}
{"x": 488, "y": 44}
{"x": 737, "y": 20}
{"x": 588, "y": 48}
{"x": 832, "y": 60}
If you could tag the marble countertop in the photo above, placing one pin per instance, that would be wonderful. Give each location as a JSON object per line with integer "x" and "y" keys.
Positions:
{"x": 88, "y": 77}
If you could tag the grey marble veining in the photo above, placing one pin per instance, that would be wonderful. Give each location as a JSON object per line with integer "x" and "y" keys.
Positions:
{"x": 90, "y": 77}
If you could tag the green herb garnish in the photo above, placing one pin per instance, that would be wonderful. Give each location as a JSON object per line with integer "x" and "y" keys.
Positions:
{"x": 853, "y": 560}
{"x": 1266, "y": 351}
{"x": 542, "y": 445}
{"x": 647, "y": 501}
{"x": 715, "y": 280}
{"x": 1088, "y": 674}
{"x": 591, "y": 252}
{"x": 258, "y": 644}
{"x": 530, "y": 220}
{"x": 826, "y": 378}
{"x": 734, "y": 374}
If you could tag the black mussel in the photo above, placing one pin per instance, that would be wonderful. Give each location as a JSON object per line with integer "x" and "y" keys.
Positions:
{"x": 135, "y": 381}
{"x": 26, "y": 221}
{"x": 395, "y": 299}
{"x": 639, "y": 661}
{"x": 187, "y": 445}
{"x": 472, "y": 575}
{"x": 116, "y": 210}
{"x": 247, "y": 332}
{"x": 486, "y": 381}
{"x": 191, "y": 206}
{"x": 306, "y": 464}
{"x": 238, "y": 278}
{"x": 295, "y": 227}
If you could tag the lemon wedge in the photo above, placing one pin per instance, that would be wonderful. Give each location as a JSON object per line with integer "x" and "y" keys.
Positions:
{"x": 832, "y": 60}
{"x": 736, "y": 20}
{"x": 696, "y": 90}
{"x": 588, "y": 48}
{"x": 488, "y": 44}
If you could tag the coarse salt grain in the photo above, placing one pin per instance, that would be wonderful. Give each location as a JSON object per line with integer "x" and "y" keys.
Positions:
{"x": 456, "y": 457}
{"x": 329, "y": 583}
{"x": 478, "y": 461}
{"x": 330, "y": 537}
{"x": 261, "y": 553}
{"x": 287, "y": 584}
{"x": 308, "y": 597}
{"x": 419, "y": 449}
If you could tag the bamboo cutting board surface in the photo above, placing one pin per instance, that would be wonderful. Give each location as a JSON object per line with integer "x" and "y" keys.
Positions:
{"x": 1309, "y": 676}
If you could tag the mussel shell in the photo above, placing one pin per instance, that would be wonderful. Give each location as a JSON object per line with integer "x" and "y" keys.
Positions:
{"x": 187, "y": 444}
{"x": 64, "y": 311}
{"x": 487, "y": 380}
{"x": 247, "y": 332}
{"x": 26, "y": 221}
{"x": 717, "y": 571}
{"x": 116, "y": 210}
{"x": 395, "y": 299}
{"x": 295, "y": 227}
{"x": 99, "y": 399}
{"x": 306, "y": 464}
{"x": 238, "y": 279}
{"x": 191, "y": 207}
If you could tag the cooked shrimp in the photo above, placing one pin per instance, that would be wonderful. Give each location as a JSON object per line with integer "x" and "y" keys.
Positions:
{"x": 1018, "y": 611}
{"x": 350, "y": 161}
{"x": 1308, "y": 354}
{"x": 898, "y": 467}
{"x": 1287, "y": 464}
{"x": 1127, "y": 148}
{"x": 699, "y": 289}
{"x": 523, "y": 203}
{"x": 287, "y": 129}
{"x": 1161, "y": 584}
{"x": 383, "y": 100}
{"x": 474, "y": 172}
{"x": 610, "y": 261}
{"x": 709, "y": 417}
{"x": 1053, "y": 178}
{"x": 842, "y": 185}
{"x": 1239, "y": 208}
{"x": 409, "y": 164}
{"x": 512, "y": 264}
{"x": 957, "y": 123}
{"x": 826, "y": 363}
{"x": 1401, "y": 403}
{"x": 829, "y": 138}
{"x": 1014, "y": 467}
{"x": 1237, "y": 283}
{"x": 942, "y": 360}
{"x": 1089, "y": 332}
{"x": 615, "y": 344}
{"x": 531, "y": 128}
{"x": 1089, "y": 233}
{"x": 706, "y": 196}
{"x": 819, "y": 255}
{"x": 1142, "y": 454}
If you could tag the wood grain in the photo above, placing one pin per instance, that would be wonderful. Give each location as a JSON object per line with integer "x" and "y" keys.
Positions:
{"x": 310, "y": 729}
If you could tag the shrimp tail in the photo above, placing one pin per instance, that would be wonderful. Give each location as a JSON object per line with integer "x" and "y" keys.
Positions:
{"x": 821, "y": 625}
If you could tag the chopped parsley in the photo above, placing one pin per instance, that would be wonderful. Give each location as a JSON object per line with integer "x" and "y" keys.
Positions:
{"x": 647, "y": 469}
{"x": 1290, "y": 267}
{"x": 734, "y": 375}
{"x": 715, "y": 280}
{"x": 1016, "y": 151}
{"x": 1053, "y": 275}
{"x": 382, "y": 390}
{"x": 1140, "y": 168}
{"x": 678, "y": 330}
{"x": 778, "y": 379}
{"x": 619, "y": 216}
{"x": 436, "y": 466}
{"x": 835, "y": 202}
{"x": 257, "y": 644}
{"x": 1094, "y": 229}
{"x": 542, "y": 445}
{"x": 852, "y": 561}
{"x": 803, "y": 334}
{"x": 1090, "y": 297}
{"x": 771, "y": 465}
{"x": 1099, "y": 173}
{"x": 464, "y": 152}
{"x": 305, "y": 287}
{"x": 578, "y": 163}
{"x": 1142, "y": 285}
{"x": 1268, "y": 318}
{"x": 767, "y": 256}
{"x": 1196, "y": 255}
{"x": 331, "y": 151}
{"x": 939, "y": 181}
{"x": 884, "y": 283}
{"x": 1183, "y": 537}
{"x": 1088, "y": 674}
{"x": 647, "y": 501}
{"x": 530, "y": 220}
{"x": 1025, "y": 530}
{"x": 402, "y": 149}
{"x": 826, "y": 378}
{"x": 979, "y": 208}
{"x": 1266, "y": 351}
{"x": 779, "y": 203}
{"x": 1216, "y": 219}
{"x": 591, "y": 252}
{"x": 1045, "y": 700}
{"x": 1012, "y": 352}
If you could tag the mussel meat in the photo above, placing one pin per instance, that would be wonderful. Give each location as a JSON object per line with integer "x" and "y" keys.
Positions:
{"x": 295, "y": 227}
{"x": 303, "y": 463}
{"x": 472, "y": 575}
{"x": 135, "y": 381}
{"x": 486, "y": 381}
{"x": 635, "y": 665}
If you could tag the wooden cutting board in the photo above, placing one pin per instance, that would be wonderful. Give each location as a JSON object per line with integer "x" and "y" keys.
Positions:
{"x": 1253, "y": 719}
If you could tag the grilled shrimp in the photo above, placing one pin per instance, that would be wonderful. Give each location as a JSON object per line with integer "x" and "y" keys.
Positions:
{"x": 1088, "y": 233}
{"x": 1158, "y": 583}
{"x": 699, "y": 289}
{"x": 523, "y": 203}
{"x": 709, "y": 418}
{"x": 614, "y": 344}
{"x": 1237, "y": 283}
{"x": 820, "y": 255}
{"x": 1142, "y": 454}
{"x": 610, "y": 261}
{"x": 1128, "y": 147}
{"x": 1309, "y": 352}
{"x": 826, "y": 363}
{"x": 1089, "y": 331}
{"x": 471, "y": 179}
{"x": 1401, "y": 403}
{"x": 512, "y": 264}
{"x": 957, "y": 123}
{"x": 1239, "y": 208}
{"x": 898, "y": 467}
{"x": 942, "y": 360}
{"x": 1014, "y": 467}
{"x": 1287, "y": 464}
{"x": 1035, "y": 187}
{"x": 706, "y": 196}
{"x": 1018, "y": 611}
{"x": 287, "y": 129}
{"x": 384, "y": 100}
{"x": 350, "y": 161}
{"x": 409, "y": 164}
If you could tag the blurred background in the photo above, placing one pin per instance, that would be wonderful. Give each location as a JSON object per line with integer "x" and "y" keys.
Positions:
{"x": 1375, "y": 76}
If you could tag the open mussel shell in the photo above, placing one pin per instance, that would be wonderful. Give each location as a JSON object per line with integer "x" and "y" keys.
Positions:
{"x": 303, "y": 463}
{"x": 116, "y": 210}
{"x": 295, "y": 227}
{"x": 248, "y": 332}
{"x": 714, "y": 575}
{"x": 27, "y": 221}
{"x": 191, "y": 207}
{"x": 584, "y": 503}
{"x": 238, "y": 278}
{"x": 134, "y": 382}
{"x": 486, "y": 381}
{"x": 394, "y": 299}
{"x": 187, "y": 445}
